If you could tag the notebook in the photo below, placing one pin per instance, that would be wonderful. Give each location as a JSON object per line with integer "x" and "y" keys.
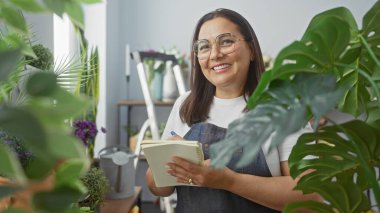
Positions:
{"x": 160, "y": 152}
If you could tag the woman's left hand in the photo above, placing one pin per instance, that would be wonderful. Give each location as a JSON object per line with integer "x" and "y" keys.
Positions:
{"x": 201, "y": 175}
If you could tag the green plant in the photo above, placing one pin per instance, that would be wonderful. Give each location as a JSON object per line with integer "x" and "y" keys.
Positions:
{"x": 97, "y": 185}
{"x": 44, "y": 60}
{"x": 334, "y": 65}
{"x": 40, "y": 122}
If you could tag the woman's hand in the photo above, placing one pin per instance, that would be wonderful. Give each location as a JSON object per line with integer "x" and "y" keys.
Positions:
{"x": 201, "y": 175}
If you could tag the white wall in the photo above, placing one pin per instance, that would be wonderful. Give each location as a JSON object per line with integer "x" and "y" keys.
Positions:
{"x": 41, "y": 27}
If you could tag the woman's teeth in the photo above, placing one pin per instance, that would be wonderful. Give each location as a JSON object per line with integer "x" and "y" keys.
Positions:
{"x": 220, "y": 67}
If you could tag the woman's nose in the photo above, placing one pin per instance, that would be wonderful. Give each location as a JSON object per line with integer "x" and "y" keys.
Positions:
{"x": 215, "y": 52}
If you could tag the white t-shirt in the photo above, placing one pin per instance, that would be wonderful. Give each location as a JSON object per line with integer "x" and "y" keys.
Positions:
{"x": 222, "y": 113}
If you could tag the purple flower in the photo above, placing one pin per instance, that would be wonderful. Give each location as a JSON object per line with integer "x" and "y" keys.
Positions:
{"x": 85, "y": 130}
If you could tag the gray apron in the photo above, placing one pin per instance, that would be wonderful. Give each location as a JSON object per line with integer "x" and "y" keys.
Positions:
{"x": 206, "y": 200}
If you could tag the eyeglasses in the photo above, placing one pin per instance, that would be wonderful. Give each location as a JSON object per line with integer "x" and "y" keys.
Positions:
{"x": 225, "y": 43}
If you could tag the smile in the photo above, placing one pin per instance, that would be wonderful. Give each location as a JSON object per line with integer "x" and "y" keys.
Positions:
{"x": 220, "y": 67}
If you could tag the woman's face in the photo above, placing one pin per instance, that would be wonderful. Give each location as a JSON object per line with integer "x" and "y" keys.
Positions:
{"x": 227, "y": 72}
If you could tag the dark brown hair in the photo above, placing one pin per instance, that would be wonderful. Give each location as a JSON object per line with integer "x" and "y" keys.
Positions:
{"x": 197, "y": 105}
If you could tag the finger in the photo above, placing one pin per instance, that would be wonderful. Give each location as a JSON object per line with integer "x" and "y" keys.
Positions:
{"x": 177, "y": 171}
{"x": 176, "y": 138}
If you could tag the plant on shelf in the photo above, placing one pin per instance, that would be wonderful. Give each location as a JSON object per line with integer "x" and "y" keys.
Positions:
{"x": 59, "y": 160}
{"x": 97, "y": 186}
{"x": 44, "y": 60}
{"x": 334, "y": 66}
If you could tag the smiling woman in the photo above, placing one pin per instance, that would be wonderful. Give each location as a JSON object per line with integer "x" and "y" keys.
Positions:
{"x": 227, "y": 65}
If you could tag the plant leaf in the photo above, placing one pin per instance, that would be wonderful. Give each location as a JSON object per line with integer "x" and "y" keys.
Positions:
{"x": 9, "y": 165}
{"x": 58, "y": 7}
{"x": 25, "y": 125}
{"x": 313, "y": 205}
{"x": 75, "y": 12}
{"x": 8, "y": 61}
{"x": 58, "y": 200}
{"x": 30, "y": 5}
{"x": 288, "y": 107}
{"x": 14, "y": 19}
{"x": 70, "y": 171}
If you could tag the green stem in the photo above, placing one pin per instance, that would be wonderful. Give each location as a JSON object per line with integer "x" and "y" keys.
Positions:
{"x": 371, "y": 176}
{"x": 371, "y": 53}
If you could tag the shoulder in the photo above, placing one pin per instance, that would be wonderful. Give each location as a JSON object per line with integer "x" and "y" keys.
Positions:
{"x": 180, "y": 100}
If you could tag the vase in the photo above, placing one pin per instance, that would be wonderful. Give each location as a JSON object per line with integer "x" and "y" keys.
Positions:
{"x": 170, "y": 91}
{"x": 156, "y": 87}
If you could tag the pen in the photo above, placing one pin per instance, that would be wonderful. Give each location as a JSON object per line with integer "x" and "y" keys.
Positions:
{"x": 173, "y": 133}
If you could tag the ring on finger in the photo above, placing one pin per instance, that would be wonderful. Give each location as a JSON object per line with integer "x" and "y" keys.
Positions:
{"x": 190, "y": 181}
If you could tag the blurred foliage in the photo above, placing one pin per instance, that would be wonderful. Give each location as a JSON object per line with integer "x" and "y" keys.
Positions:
{"x": 40, "y": 122}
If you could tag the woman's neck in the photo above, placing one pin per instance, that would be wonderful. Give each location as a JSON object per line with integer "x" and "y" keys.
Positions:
{"x": 228, "y": 94}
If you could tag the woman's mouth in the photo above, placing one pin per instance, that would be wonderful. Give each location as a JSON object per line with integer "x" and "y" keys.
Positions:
{"x": 220, "y": 67}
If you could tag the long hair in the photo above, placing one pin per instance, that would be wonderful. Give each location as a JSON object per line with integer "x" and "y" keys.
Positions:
{"x": 197, "y": 105}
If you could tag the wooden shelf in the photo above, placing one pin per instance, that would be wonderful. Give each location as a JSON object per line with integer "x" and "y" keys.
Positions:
{"x": 122, "y": 205}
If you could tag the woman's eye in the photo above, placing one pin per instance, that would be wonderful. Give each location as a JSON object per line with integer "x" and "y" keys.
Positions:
{"x": 203, "y": 47}
{"x": 226, "y": 42}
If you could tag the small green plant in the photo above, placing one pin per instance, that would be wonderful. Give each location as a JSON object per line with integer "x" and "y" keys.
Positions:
{"x": 97, "y": 186}
{"x": 44, "y": 60}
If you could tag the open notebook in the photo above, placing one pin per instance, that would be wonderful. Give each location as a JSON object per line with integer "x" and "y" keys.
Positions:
{"x": 160, "y": 152}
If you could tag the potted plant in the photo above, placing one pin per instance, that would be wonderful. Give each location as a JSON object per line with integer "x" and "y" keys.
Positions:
{"x": 97, "y": 186}
{"x": 334, "y": 66}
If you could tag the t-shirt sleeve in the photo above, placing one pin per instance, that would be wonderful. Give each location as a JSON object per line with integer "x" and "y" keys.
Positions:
{"x": 286, "y": 147}
{"x": 174, "y": 121}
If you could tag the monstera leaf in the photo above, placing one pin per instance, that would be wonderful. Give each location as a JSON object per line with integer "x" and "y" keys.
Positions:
{"x": 344, "y": 158}
{"x": 333, "y": 43}
{"x": 288, "y": 106}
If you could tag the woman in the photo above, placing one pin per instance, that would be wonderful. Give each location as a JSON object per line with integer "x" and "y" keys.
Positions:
{"x": 227, "y": 65}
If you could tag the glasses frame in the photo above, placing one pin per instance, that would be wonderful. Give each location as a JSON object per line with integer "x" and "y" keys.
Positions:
{"x": 215, "y": 43}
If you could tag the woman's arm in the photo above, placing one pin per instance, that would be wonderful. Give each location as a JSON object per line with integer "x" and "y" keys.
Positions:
{"x": 273, "y": 192}
{"x": 158, "y": 191}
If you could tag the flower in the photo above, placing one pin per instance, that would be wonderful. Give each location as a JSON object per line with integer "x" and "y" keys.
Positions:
{"x": 86, "y": 131}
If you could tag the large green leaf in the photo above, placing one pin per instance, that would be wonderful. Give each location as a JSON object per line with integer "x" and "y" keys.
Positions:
{"x": 371, "y": 34}
{"x": 9, "y": 165}
{"x": 70, "y": 171}
{"x": 312, "y": 205}
{"x": 14, "y": 210}
{"x": 340, "y": 13}
{"x": 22, "y": 123}
{"x": 75, "y": 12}
{"x": 320, "y": 47}
{"x": 288, "y": 107}
{"x": 339, "y": 162}
{"x": 58, "y": 200}
{"x": 42, "y": 84}
{"x": 29, "y": 5}
{"x": 58, "y": 7}
{"x": 14, "y": 19}
{"x": 8, "y": 61}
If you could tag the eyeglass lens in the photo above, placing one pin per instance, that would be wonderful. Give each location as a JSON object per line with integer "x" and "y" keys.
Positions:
{"x": 225, "y": 44}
